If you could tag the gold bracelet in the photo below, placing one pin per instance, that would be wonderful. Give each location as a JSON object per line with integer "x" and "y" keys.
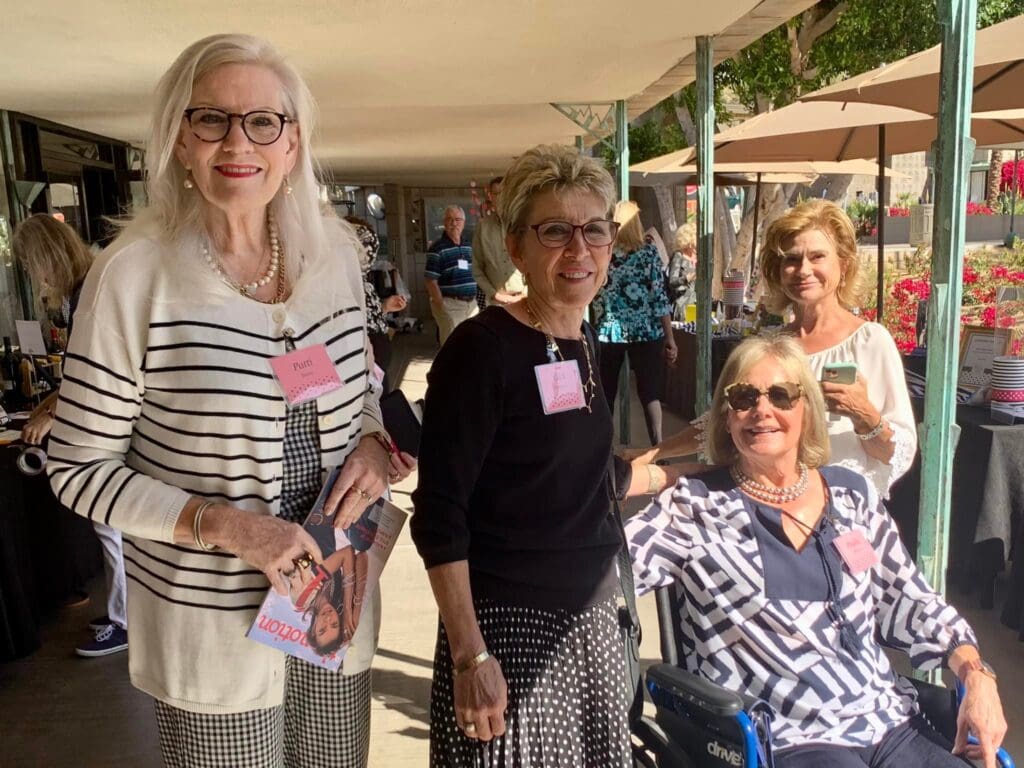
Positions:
{"x": 473, "y": 663}
{"x": 653, "y": 481}
{"x": 196, "y": 521}
{"x": 384, "y": 439}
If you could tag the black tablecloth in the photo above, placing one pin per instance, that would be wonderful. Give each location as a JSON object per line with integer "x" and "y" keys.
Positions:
{"x": 987, "y": 504}
{"x": 681, "y": 379}
{"x": 46, "y": 554}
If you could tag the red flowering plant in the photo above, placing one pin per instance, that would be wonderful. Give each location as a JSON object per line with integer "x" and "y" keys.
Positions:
{"x": 1006, "y": 177}
{"x": 983, "y": 273}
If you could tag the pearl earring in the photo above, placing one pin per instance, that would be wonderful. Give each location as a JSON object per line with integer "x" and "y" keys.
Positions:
{"x": 287, "y": 186}
{"x": 188, "y": 183}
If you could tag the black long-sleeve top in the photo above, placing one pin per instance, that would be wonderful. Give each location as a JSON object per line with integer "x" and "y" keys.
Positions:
{"x": 521, "y": 495}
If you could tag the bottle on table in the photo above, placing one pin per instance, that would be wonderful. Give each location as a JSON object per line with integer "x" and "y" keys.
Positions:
{"x": 9, "y": 371}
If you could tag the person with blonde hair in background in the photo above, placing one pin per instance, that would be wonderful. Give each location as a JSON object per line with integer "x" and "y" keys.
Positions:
{"x": 682, "y": 271}
{"x": 633, "y": 316}
{"x": 57, "y": 261}
{"x": 173, "y": 427}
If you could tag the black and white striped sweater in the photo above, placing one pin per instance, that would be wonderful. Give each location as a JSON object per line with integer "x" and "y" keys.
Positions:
{"x": 168, "y": 393}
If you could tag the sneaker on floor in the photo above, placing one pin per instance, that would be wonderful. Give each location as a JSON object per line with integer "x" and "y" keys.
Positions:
{"x": 99, "y": 622}
{"x": 110, "y": 639}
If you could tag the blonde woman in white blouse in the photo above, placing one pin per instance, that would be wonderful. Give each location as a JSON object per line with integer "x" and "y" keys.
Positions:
{"x": 811, "y": 267}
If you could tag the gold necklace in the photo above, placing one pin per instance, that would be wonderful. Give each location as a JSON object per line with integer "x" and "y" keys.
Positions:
{"x": 590, "y": 386}
{"x": 275, "y": 269}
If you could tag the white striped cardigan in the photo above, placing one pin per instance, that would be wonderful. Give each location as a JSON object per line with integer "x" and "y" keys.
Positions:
{"x": 168, "y": 392}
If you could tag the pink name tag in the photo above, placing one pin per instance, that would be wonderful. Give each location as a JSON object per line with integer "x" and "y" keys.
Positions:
{"x": 305, "y": 374}
{"x": 856, "y": 551}
{"x": 560, "y": 386}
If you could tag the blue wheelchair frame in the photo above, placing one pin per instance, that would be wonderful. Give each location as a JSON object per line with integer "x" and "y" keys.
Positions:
{"x": 691, "y": 708}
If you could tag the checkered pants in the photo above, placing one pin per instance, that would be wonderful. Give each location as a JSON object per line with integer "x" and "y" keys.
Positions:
{"x": 325, "y": 719}
{"x": 323, "y": 723}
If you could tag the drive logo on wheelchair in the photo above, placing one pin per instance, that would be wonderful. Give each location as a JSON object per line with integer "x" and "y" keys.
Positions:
{"x": 723, "y": 753}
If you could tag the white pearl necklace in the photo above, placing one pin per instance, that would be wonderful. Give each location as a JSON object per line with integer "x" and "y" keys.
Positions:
{"x": 767, "y": 493}
{"x": 248, "y": 289}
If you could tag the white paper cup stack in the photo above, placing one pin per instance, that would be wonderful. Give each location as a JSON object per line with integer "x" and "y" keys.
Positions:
{"x": 733, "y": 286}
{"x": 1008, "y": 380}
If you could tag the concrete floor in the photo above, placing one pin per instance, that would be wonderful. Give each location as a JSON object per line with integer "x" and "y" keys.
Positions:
{"x": 59, "y": 711}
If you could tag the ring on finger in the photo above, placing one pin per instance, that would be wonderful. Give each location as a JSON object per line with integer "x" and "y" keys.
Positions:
{"x": 303, "y": 562}
{"x": 360, "y": 491}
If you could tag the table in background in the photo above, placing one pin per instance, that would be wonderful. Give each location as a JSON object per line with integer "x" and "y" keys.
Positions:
{"x": 681, "y": 379}
{"x": 46, "y": 552}
{"x": 986, "y": 506}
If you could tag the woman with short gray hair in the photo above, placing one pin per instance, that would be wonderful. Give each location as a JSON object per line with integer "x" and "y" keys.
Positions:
{"x": 513, "y": 518}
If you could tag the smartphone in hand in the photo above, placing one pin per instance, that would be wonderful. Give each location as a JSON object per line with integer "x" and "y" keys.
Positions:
{"x": 839, "y": 373}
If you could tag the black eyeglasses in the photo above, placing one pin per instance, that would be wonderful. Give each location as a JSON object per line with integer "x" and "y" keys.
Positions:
{"x": 555, "y": 234}
{"x": 742, "y": 396}
{"x": 261, "y": 126}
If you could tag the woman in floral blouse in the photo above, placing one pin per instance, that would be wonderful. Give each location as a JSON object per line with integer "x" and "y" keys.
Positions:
{"x": 632, "y": 314}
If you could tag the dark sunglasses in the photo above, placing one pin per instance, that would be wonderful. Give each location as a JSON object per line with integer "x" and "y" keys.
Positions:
{"x": 742, "y": 396}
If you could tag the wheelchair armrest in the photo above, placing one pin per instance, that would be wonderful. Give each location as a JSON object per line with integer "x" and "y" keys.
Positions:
{"x": 695, "y": 690}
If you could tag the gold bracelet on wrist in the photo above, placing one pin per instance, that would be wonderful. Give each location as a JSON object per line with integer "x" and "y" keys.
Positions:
{"x": 196, "y": 522}
{"x": 653, "y": 481}
{"x": 472, "y": 663}
{"x": 385, "y": 441}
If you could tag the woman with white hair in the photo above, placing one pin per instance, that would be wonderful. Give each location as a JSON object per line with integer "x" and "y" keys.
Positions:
{"x": 173, "y": 427}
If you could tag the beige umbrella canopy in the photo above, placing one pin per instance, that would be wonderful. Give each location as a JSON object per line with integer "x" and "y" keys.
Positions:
{"x": 678, "y": 168}
{"x": 913, "y": 82}
{"x": 837, "y": 131}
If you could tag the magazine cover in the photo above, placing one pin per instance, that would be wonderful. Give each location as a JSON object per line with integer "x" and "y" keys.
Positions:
{"x": 318, "y": 619}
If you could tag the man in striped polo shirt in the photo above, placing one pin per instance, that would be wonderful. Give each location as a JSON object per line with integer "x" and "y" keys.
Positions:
{"x": 449, "y": 275}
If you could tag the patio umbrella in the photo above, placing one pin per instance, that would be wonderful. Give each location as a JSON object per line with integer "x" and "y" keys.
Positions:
{"x": 678, "y": 168}
{"x": 913, "y": 82}
{"x": 832, "y": 130}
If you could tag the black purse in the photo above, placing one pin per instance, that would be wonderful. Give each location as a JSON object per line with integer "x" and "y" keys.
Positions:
{"x": 629, "y": 621}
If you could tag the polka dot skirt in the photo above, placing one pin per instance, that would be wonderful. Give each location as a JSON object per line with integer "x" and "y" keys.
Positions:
{"x": 566, "y": 691}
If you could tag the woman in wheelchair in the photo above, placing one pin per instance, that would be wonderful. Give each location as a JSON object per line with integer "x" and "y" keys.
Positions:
{"x": 792, "y": 577}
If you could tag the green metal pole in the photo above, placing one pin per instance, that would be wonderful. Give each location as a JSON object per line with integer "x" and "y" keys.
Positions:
{"x": 622, "y": 144}
{"x": 580, "y": 147}
{"x": 705, "y": 216}
{"x": 954, "y": 152}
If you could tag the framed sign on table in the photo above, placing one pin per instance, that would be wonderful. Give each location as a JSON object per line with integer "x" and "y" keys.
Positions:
{"x": 978, "y": 346}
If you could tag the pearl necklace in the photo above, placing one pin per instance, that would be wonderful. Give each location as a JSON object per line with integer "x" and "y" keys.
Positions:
{"x": 768, "y": 493}
{"x": 590, "y": 386}
{"x": 248, "y": 289}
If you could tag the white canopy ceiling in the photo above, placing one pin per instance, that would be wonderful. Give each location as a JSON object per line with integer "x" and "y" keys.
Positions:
{"x": 409, "y": 91}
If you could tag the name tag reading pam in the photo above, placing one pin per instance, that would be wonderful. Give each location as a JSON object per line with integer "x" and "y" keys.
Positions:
{"x": 856, "y": 551}
{"x": 560, "y": 386}
{"x": 305, "y": 374}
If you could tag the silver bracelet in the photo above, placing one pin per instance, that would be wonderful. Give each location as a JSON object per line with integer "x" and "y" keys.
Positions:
{"x": 871, "y": 435}
{"x": 195, "y": 527}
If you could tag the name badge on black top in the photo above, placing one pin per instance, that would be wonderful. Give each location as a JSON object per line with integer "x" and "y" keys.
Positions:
{"x": 560, "y": 386}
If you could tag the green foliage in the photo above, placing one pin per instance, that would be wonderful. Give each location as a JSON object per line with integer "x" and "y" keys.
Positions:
{"x": 867, "y": 34}
{"x": 651, "y": 138}
{"x": 760, "y": 75}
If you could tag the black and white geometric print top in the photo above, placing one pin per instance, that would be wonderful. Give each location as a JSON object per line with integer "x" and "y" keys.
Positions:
{"x": 750, "y": 628}
{"x": 376, "y": 320}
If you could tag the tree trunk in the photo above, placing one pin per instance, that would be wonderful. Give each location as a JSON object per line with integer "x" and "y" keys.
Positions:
{"x": 995, "y": 171}
{"x": 725, "y": 241}
{"x": 667, "y": 212}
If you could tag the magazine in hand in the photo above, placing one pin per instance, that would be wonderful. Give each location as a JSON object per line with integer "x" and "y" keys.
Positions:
{"x": 317, "y": 620}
